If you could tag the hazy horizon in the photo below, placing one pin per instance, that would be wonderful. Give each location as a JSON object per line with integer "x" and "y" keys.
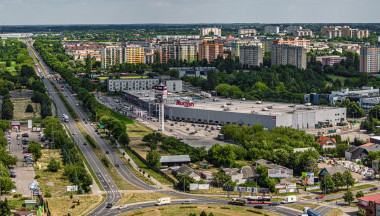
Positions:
{"x": 103, "y": 12}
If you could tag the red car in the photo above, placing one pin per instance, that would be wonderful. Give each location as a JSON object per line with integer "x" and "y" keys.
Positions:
{"x": 26, "y": 151}
{"x": 319, "y": 197}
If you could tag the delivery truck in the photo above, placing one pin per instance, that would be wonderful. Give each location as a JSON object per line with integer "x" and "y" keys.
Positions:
{"x": 289, "y": 199}
{"x": 163, "y": 201}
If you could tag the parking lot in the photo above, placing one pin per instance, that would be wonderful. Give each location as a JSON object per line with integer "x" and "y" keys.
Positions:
{"x": 24, "y": 172}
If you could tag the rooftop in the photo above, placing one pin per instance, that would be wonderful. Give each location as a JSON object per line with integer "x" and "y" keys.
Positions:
{"x": 254, "y": 107}
{"x": 175, "y": 158}
{"x": 375, "y": 197}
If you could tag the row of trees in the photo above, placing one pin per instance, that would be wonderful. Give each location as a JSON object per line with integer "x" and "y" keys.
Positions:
{"x": 7, "y": 108}
{"x": 6, "y": 159}
{"x": 328, "y": 183}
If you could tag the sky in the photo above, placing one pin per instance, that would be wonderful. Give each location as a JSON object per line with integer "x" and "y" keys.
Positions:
{"x": 36, "y": 12}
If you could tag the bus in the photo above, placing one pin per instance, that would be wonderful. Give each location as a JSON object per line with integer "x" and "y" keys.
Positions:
{"x": 257, "y": 200}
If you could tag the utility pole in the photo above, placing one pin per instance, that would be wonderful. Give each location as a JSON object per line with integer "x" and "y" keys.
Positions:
{"x": 184, "y": 185}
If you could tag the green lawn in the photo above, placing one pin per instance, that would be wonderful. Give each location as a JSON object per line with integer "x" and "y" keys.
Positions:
{"x": 12, "y": 67}
{"x": 335, "y": 77}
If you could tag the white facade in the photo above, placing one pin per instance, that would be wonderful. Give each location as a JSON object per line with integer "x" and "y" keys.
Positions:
{"x": 291, "y": 29}
{"x": 247, "y": 32}
{"x": 111, "y": 55}
{"x": 131, "y": 84}
{"x": 272, "y": 29}
{"x": 207, "y": 31}
{"x": 173, "y": 85}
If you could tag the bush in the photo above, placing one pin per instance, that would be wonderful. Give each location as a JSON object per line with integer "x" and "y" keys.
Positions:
{"x": 29, "y": 108}
{"x": 17, "y": 196}
{"x": 73, "y": 206}
{"x": 54, "y": 165}
{"x": 37, "y": 177}
{"x": 47, "y": 194}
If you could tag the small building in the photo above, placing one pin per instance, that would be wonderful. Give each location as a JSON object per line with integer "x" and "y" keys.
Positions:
{"x": 25, "y": 213}
{"x": 359, "y": 153}
{"x": 186, "y": 170}
{"x": 175, "y": 160}
{"x": 242, "y": 175}
{"x": 15, "y": 125}
{"x": 326, "y": 142}
{"x": 271, "y": 165}
{"x": 369, "y": 205}
{"x": 331, "y": 171}
{"x": 30, "y": 203}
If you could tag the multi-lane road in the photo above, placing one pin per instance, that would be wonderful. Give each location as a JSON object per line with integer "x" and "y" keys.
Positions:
{"x": 112, "y": 192}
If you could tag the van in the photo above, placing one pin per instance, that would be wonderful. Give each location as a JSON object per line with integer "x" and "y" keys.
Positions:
{"x": 163, "y": 201}
{"x": 289, "y": 199}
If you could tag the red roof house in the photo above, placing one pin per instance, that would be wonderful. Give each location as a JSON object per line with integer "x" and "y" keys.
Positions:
{"x": 326, "y": 142}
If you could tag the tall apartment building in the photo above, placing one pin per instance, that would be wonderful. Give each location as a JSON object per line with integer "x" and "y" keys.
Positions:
{"x": 251, "y": 55}
{"x": 301, "y": 43}
{"x": 346, "y": 31}
{"x": 133, "y": 54}
{"x": 272, "y": 29}
{"x": 235, "y": 47}
{"x": 111, "y": 55}
{"x": 283, "y": 54}
{"x": 168, "y": 51}
{"x": 292, "y": 29}
{"x": 210, "y": 52}
{"x": 370, "y": 60}
{"x": 349, "y": 32}
{"x": 211, "y": 31}
{"x": 246, "y": 32}
{"x": 304, "y": 32}
{"x": 187, "y": 51}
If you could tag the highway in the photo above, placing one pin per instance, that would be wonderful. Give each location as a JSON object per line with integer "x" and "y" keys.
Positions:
{"x": 106, "y": 181}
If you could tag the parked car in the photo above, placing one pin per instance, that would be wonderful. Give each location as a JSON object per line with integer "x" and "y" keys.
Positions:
{"x": 319, "y": 197}
{"x": 84, "y": 143}
{"x": 25, "y": 135}
{"x": 74, "y": 133}
{"x": 258, "y": 206}
{"x": 18, "y": 136}
{"x": 374, "y": 188}
{"x": 186, "y": 202}
{"x": 109, "y": 205}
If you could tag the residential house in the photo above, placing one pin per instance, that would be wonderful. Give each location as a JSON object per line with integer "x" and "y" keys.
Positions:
{"x": 359, "y": 153}
{"x": 242, "y": 175}
{"x": 331, "y": 171}
{"x": 186, "y": 170}
{"x": 175, "y": 160}
{"x": 326, "y": 142}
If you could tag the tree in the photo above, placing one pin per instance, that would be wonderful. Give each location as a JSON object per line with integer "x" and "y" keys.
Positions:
{"x": 212, "y": 79}
{"x": 341, "y": 149}
{"x": 5, "y": 209}
{"x": 327, "y": 183}
{"x": 203, "y": 213}
{"x": 153, "y": 158}
{"x": 29, "y": 108}
{"x": 220, "y": 178}
{"x": 348, "y": 197}
{"x": 35, "y": 149}
{"x": 174, "y": 73}
{"x": 54, "y": 165}
{"x": 348, "y": 178}
{"x": 124, "y": 139}
{"x": 338, "y": 180}
{"x": 88, "y": 63}
{"x": 359, "y": 194}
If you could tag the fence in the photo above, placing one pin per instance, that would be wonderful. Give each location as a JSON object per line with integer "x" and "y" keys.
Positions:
{"x": 152, "y": 167}
{"x": 45, "y": 205}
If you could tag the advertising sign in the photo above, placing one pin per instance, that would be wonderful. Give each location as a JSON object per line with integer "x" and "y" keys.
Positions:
{"x": 361, "y": 211}
{"x": 194, "y": 187}
{"x": 313, "y": 188}
{"x": 240, "y": 189}
{"x": 30, "y": 124}
{"x": 228, "y": 188}
{"x": 278, "y": 173}
{"x": 308, "y": 178}
{"x": 291, "y": 186}
{"x": 71, "y": 188}
{"x": 264, "y": 190}
{"x": 199, "y": 186}
{"x": 282, "y": 191}
{"x": 280, "y": 186}
{"x": 251, "y": 190}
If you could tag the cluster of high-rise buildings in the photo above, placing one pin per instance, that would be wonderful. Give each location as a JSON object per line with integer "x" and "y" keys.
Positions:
{"x": 247, "y": 46}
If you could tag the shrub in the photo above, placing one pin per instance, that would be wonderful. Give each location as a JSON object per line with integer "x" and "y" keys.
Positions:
{"x": 29, "y": 108}
{"x": 37, "y": 177}
{"x": 47, "y": 194}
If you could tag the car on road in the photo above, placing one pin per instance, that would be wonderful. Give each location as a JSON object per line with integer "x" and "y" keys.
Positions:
{"x": 18, "y": 136}
{"x": 96, "y": 130}
{"x": 101, "y": 136}
{"x": 107, "y": 152}
{"x": 74, "y": 133}
{"x": 187, "y": 129}
{"x": 122, "y": 207}
{"x": 109, "y": 205}
{"x": 319, "y": 197}
{"x": 25, "y": 135}
{"x": 274, "y": 204}
{"x": 258, "y": 206}
{"x": 374, "y": 188}
{"x": 117, "y": 165}
{"x": 191, "y": 133}
{"x": 84, "y": 143}
{"x": 186, "y": 202}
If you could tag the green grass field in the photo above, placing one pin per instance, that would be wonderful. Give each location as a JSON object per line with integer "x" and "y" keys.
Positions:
{"x": 335, "y": 77}
{"x": 12, "y": 67}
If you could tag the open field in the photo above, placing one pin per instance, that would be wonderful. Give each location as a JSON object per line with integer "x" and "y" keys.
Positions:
{"x": 185, "y": 210}
{"x": 63, "y": 206}
{"x": 142, "y": 197}
{"x": 335, "y": 77}
{"x": 54, "y": 182}
{"x": 142, "y": 149}
{"x": 335, "y": 212}
{"x": 138, "y": 130}
{"x": 119, "y": 181}
{"x": 19, "y": 113}
{"x": 12, "y": 67}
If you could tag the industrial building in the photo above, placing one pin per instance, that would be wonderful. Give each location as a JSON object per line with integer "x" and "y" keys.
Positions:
{"x": 173, "y": 85}
{"x": 222, "y": 112}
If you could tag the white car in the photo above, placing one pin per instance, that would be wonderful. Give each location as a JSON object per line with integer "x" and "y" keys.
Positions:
{"x": 122, "y": 207}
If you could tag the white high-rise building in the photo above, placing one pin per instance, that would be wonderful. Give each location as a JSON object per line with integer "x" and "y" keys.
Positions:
{"x": 111, "y": 55}
{"x": 272, "y": 29}
{"x": 211, "y": 31}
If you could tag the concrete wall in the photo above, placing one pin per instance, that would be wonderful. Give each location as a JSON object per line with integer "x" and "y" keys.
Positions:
{"x": 171, "y": 83}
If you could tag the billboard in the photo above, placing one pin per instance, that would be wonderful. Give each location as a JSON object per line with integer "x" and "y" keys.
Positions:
{"x": 71, "y": 188}
{"x": 291, "y": 186}
{"x": 30, "y": 124}
{"x": 308, "y": 178}
{"x": 278, "y": 173}
{"x": 199, "y": 186}
{"x": 280, "y": 186}
{"x": 228, "y": 188}
{"x": 313, "y": 188}
{"x": 240, "y": 189}
{"x": 264, "y": 190}
{"x": 251, "y": 190}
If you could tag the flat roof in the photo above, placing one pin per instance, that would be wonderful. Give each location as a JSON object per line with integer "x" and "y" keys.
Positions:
{"x": 175, "y": 158}
{"x": 255, "y": 107}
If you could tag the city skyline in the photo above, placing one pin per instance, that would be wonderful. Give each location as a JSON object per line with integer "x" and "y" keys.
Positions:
{"x": 40, "y": 12}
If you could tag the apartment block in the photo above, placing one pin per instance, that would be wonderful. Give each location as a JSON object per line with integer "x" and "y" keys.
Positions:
{"x": 187, "y": 51}
{"x": 211, "y": 31}
{"x": 292, "y": 29}
{"x": 247, "y": 32}
{"x": 133, "y": 54}
{"x": 131, "y": 84}
{"x": 251, "y": 55}
{"x": 272, "y": 29}
{"x": 304, "y": 32}
{"x": 283, "y": 54}
{"x": 296, "y": 42}
{"x": 210, "y": 51}
{"x": 168, "y": 51}
{"x": 349, "y": 32}
{"x": 330, "y": 60}
{"x": 111, "y": 55}
{"x": 370, "y": 60}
